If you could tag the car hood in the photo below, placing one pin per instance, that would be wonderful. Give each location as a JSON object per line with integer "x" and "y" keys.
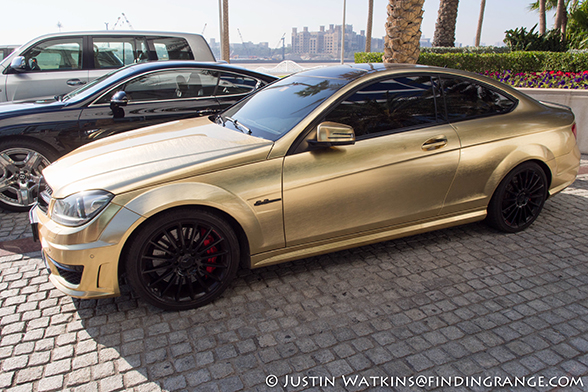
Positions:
{"x": 18, "y": 108}
{"x": 156, "y": 154}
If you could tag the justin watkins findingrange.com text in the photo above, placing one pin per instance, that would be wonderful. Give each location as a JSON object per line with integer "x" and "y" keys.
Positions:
{"x": 425, "y": 381}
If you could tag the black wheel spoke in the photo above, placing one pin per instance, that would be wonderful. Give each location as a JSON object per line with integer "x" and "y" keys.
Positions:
{"x": 191, "y": 289}
{"x": 202, "y": 239}
{"x": 169, "y": 285}
{"x": 159, "y": 268}
{"x": 209, "y": 247}
{"x": 181, "y": 280}
{"x": 161, "y": 248}
{"x": 161, "y": 278}
{"x": 172, "y": 241}
{"x": 214, "y": 265}
{"x": 211, "y": 276}
{"x": 202, "y": 283}
{"x": 181, "y": 236}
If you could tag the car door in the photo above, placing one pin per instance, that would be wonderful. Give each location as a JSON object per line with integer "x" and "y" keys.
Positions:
{"x": 152, "y": 99}
{"x": 398, "y": 171}
{"x": 53, "y": 67}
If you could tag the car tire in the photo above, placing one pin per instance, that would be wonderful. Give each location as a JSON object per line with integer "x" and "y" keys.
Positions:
{"x": 182, "y": 259}
{"x": 21, "y": 163}
{"x": 519, "y": 198}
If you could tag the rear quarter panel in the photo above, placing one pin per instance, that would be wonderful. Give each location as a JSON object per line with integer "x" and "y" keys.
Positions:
{"x": 493, "y": 146}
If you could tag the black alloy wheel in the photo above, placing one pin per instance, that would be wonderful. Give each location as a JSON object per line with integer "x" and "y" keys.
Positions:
{"x": 519, "y": 198}
{"x": 182, "y": 259}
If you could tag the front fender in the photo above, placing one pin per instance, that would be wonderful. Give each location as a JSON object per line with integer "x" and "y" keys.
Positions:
{"x": 155, "y": 200}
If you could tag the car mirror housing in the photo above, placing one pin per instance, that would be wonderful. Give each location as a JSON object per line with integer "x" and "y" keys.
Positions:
{"x": 334, "y": 134}
{"x": 18, "y": 64}
{"x": 120, "y": 98}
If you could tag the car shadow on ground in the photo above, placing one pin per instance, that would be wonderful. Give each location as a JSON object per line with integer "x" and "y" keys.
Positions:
{"x": 375, "y": 310}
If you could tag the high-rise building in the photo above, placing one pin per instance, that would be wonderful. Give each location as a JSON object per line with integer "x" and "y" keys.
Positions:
{"x": 327, "y": 43}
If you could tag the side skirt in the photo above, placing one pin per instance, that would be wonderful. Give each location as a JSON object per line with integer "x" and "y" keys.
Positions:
{"x": 360, "y": 239}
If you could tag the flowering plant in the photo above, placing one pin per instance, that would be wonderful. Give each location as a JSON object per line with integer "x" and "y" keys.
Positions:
{"x": 545, "y": 79}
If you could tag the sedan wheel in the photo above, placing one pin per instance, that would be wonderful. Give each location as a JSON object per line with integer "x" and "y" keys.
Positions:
{"x": 519, "y": 198}
{"x": 183, "y": 259}
{"x": 21, "y": 164}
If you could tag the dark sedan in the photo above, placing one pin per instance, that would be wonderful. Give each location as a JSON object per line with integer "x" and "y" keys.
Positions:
{"x": 33, "y": 134}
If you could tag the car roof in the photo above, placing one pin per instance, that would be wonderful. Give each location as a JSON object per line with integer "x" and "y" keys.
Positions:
{"x": 351, "y": 72}
{"x": 117, "y": 32}
{"x": 169, "y": 64}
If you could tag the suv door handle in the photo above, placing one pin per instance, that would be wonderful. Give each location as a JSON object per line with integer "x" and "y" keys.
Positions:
{"x": 75, "y": 82}
{"x": 434, "y": 143}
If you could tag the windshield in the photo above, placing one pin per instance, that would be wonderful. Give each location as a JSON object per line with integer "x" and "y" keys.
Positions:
{"x": 276, "y": 109}
{"x": 96, "y": 85}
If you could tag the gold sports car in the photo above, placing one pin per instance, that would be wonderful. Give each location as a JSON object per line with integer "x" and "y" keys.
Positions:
{"x": 319, "y": 161}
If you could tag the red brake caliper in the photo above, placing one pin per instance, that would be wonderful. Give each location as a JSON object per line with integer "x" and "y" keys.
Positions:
{"x": 210, "y": 251}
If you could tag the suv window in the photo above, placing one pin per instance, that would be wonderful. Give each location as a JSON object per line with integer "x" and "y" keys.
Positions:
{"x": 466, "y": 99}
{"x": 55, "y": 55}
{"x": 389, "y": 106}
{"x": 115, "y": 52}
{"x": 172, "y": 48}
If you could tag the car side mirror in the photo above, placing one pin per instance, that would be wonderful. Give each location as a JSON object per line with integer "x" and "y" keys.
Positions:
{"x": 334, "y": 134}
{"x": 18, "y": 64}
{"x": 120, "y": 98}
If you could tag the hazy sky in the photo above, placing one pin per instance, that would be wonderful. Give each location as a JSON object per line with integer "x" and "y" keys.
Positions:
{"x": 258, "y": 20}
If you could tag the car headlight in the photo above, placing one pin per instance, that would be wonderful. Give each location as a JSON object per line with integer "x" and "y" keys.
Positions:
{"x": 79, "y": 208}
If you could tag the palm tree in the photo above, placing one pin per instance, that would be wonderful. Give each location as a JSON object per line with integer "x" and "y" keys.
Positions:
{"x": 445, "y": 26}
{"x": 542, "y": 22}
{"x": 561, "y": 20}
{"x": 368, "y": 36}
{"x": 480, "y": 20}
{"x": 403, "y": 31}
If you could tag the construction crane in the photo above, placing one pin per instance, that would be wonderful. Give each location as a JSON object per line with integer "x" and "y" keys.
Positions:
{"x": 283, "y": 46}
{"x": 124, "y": 20}
{"x": 243, "y": 42}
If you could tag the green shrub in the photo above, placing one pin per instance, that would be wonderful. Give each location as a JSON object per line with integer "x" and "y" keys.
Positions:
{"x": 531, "y": 41}
{"x": 466, "y": 49}
{"x": 514, "y": 61}
{"x": 368, "y": 57}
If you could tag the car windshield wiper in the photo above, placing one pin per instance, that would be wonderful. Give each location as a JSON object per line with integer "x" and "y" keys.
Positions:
{"x": 238, "y": 125}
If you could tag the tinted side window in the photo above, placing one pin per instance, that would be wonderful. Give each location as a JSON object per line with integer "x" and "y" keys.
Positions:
{"x": 55, "y": 55}
{"x": 235, "y": 84}
{"x": 172, "y": 49}
{"x": 114, "y": 52}
{"x": 176, "y": 84}
{"x": 468, "y": 99}
{"x": 389, "y": 105}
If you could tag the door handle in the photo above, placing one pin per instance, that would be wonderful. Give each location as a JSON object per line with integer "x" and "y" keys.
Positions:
{"x": 75, "y": 82}
{"x": 434, "y": 143}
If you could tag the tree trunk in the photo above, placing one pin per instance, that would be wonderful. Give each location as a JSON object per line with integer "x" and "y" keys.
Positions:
{"x": 403, "y": 31}
{"x": 561, "y": 18}
{"x": 368, "y": 31}
{"x": 445, "y": 26}
{"x": 542, "y": 22}
{"x": 226, "y": 45}
{"x": 480, "y": 20}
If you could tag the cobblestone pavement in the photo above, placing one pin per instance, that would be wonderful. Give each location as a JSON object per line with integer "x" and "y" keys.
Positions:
{"x": 460, "y": 302}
